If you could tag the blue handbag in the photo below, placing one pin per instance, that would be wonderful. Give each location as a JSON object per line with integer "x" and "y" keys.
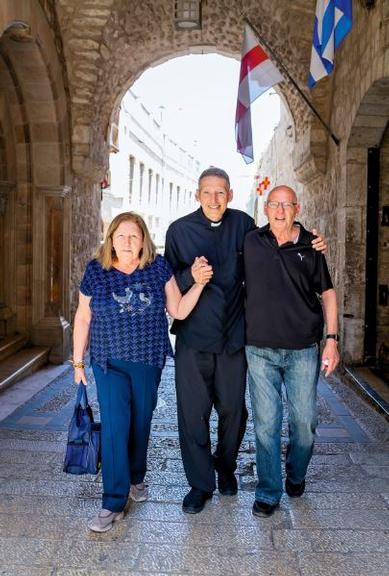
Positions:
{"x": 83, "y": 446}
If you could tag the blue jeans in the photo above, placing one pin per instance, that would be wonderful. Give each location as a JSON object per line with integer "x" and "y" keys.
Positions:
{"x": 127, "y": 395}
{"x": 268, "y": 368}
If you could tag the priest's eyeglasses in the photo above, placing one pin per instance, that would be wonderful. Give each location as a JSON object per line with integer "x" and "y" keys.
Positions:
{"x": 285, "y": 205}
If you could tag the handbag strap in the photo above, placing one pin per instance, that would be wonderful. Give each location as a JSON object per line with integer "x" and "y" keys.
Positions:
{"x": 82, "y": 397}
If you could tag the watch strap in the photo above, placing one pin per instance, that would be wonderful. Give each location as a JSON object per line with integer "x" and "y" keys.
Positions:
{"x": 333, "y": 337}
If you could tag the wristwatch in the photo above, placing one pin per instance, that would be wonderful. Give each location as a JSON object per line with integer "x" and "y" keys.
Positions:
{"x": 333, "y": 337}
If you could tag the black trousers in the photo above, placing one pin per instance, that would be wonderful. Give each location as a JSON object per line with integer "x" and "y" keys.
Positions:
{"x": 204, "y": 380}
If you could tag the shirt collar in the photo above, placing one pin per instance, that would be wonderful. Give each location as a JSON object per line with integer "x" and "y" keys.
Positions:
{"x": 305, "y": 237}
{"x": 209, "y": 222}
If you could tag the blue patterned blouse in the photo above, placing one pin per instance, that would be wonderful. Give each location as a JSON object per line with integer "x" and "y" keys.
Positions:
{"x": 128, "y": 313}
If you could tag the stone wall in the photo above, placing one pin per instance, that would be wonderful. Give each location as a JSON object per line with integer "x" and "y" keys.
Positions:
{"x": 87, "y": 230}
{"x": 383, "y": 243}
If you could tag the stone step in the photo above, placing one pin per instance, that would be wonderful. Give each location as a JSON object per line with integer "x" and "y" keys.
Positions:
{"x": 21, "y": 364}
{"x": 11, "y": 344}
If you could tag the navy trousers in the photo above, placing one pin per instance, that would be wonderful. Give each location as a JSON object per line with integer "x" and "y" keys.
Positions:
{"x": 127, "y": 395}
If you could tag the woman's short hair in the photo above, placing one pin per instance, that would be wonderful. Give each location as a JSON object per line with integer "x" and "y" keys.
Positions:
{"x": 106, "y": 253}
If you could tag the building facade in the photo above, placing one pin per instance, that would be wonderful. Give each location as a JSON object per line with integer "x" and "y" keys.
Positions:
{"x": 149, "y": 172}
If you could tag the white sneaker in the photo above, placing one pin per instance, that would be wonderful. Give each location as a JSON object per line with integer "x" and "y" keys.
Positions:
{"x": 103, "y": 521}
{"x": 139, "y": 492}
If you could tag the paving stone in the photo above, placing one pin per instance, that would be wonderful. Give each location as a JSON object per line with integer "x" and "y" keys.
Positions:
{"x": 82, "y": 488}
{"x": 219, "y": 560}
{"x": 31, "y": 435}
{"x": 364, "y": 519}
{"x": 351, "y": 447}
{"x": 339, "y": 473}
{"x": 309, "y": 540}
{"x": 371, "y": 458}
{"x": 26, "y": 570}
{"x": 49, "y": 505}
{"x": 44, "y": 526}
{"x": 331, "y": 459}
{"x": 343, "y": 564}
{"x": 337, "y": 501}
{"x": 26, "y": 457}
{"x": 27, "y": 551}
{"x": 158, "y": 493}
{"x": 38, "y": 446}
{"x": 76, "y": 553}
{"x": 377, "y": 471}
{"x": 211, "y": 513}
{"x": 198, "y": 535}
{"x": 360, "y": 485}
{"x": 101, "y": 572}
{"x": 165, "y": 478}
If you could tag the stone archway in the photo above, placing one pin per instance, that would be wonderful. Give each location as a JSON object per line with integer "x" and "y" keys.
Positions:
{"x": 36, "y": 191}
{"x": 110, "y": 47}
{"x": 367, "y": 133}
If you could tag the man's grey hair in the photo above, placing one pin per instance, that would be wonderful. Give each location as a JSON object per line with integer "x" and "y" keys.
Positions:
{"x": 214, "y": 171}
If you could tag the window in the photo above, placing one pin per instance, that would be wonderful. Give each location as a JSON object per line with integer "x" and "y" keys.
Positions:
{"x": 150, "y": 184}
{"x": 156, "y": 187}
{"x": 131, "y": 178}
{"x": 141, "y": 172}
{"x": 170, "y": 193}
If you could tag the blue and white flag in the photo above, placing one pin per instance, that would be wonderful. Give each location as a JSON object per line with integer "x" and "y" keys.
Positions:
{"x": 333, "y": 21}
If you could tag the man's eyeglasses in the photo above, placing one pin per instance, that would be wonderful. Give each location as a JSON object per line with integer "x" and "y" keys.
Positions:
{"x": 285, "y": 205}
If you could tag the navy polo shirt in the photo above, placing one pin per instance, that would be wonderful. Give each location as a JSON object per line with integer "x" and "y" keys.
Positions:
{"x": 283, "y": 309}
{"x": 217, "y": 322}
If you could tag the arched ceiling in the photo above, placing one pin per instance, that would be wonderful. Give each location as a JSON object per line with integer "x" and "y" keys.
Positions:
{"x": 109, "y": 43}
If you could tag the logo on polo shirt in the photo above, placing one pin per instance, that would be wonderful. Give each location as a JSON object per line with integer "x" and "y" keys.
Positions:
{"x": 301, "y": 256}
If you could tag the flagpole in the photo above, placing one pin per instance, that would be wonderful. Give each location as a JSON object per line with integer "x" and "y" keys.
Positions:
{"x": 292, "y": 80}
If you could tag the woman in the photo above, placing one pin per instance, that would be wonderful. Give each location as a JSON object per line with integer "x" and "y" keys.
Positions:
{"x": 123, "y": 296}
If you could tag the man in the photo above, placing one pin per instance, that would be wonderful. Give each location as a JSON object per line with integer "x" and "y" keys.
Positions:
{"x": 210, "y": 360}
{"x": 284, "y": 326}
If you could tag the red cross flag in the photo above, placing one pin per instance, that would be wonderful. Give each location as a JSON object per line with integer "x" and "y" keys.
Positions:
{"x": 257, "y": 74}
{"x": 262, "y": 186}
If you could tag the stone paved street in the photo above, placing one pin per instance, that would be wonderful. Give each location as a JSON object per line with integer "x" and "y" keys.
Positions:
{"x": 339, "y": 527}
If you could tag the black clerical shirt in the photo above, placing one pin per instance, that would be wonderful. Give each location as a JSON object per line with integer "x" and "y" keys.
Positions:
{"x": 282, "y": 284}
{"x": 217, "y": 322}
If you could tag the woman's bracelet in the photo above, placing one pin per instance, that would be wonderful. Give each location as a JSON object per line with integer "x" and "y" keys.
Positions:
{"x": 79, "y": 364}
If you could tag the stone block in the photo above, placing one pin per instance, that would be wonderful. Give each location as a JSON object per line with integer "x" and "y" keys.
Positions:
{"x": 198, "y": 535}
{"x": 48, "y": 175}
{"x": 33, "y": 552}
{"x": 325, "y": 540}
{"x": 45, "y": 132}
{"x": 100, "y": 555}
{"x": 344, "y": 519}
{"x": 83, "y": 44}
{"x": 217, "y": 561}
{"x": 353, "y": 339}
{"x": 343, "y": 564}
{"x": 48, "y": 155}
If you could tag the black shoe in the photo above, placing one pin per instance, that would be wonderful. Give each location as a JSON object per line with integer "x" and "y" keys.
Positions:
{"x": 294, "y": 490}
{"x": 195, "y": 501}
{"x": 263, "y": 508}
{"x": 227, "y": 484}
